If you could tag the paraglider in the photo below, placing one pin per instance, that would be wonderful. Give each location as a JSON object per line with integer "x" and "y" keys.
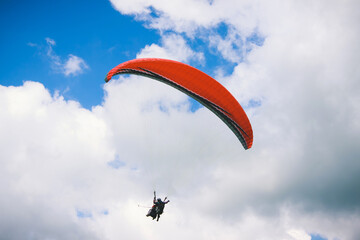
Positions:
{"x": 158, "y": 208}
{"x": 197, "y": 85}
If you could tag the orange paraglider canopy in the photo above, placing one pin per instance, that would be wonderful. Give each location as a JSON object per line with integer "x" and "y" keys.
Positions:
{"x": 197, "y": 85}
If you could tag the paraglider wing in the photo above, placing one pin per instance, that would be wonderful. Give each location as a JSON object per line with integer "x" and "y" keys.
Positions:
{"x": 197, "y": 85}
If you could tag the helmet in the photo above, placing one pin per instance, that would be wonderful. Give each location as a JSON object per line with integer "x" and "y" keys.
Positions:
{"x": 159, "y": 199}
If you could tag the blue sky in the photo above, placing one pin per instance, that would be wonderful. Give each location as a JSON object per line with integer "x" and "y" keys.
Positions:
{"x": 91, "y": 30}
{"x": 102, "y": 37}
{"x": 82, "y": 169}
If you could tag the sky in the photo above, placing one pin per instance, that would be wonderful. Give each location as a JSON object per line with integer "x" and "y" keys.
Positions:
{"x": 81, "y": 158}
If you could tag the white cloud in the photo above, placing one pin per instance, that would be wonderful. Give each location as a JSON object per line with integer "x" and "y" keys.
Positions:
{"x": 54, "y": 59}
{"x": 56, "y": 164}
{"x": 45, "y": 143}
{"x": 299, "y": 234}
{"x": 50, "y": 41}
{"x": 305, "y": 77}
{"x": 74, "y": 65}
{"x": 183, "y": 16}
{"x": 172, "y": 47}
